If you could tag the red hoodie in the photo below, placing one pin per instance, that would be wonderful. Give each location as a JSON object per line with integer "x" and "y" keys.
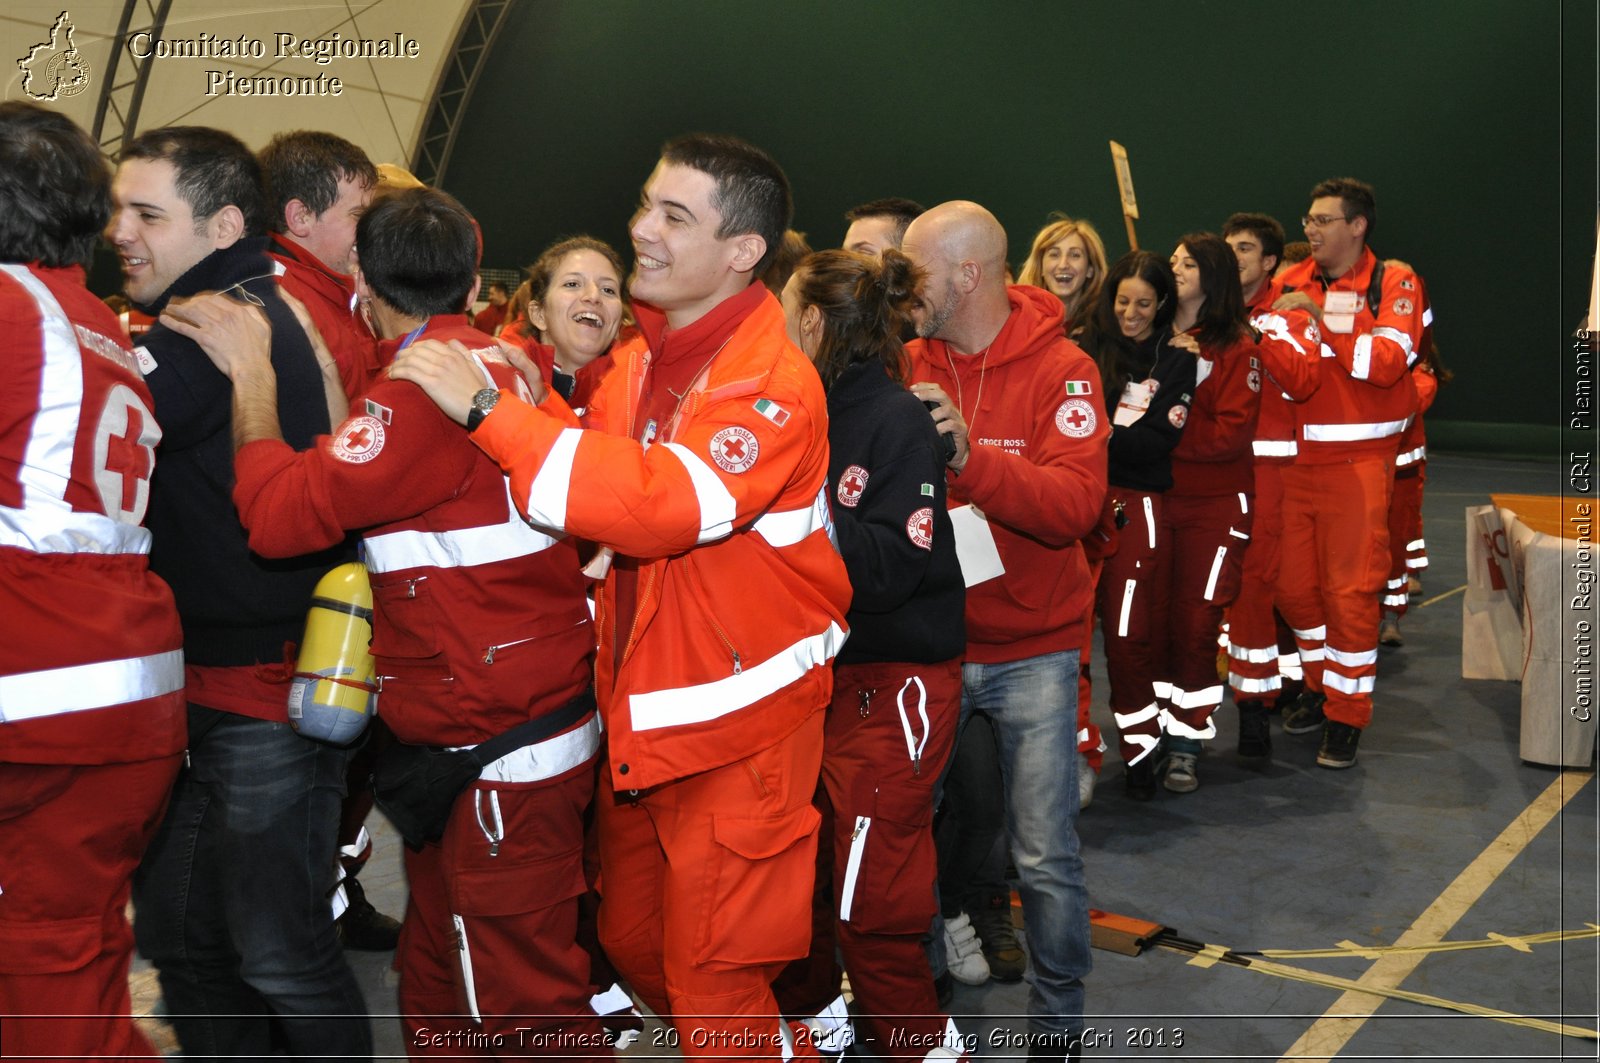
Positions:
{"x": 1037, "y": 471}
{"x": 329, "y": 298}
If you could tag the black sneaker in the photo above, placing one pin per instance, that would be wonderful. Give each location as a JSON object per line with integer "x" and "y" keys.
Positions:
{"x": 362, "y": 927}
{"x": 1306, "y": 716}
{"x": 1339, "y": 741}
{"x": 1255, "y": 731}
{"x": 991, "y": 918}
{"x": 1139, "y": 780}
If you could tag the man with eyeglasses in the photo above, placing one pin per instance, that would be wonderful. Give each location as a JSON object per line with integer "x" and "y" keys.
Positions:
{"x": 1336, "y": 494}
{"x": 232, "y": 900}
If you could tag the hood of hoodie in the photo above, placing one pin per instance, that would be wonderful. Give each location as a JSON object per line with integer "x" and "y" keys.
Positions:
{"x": 1036, "y": 321}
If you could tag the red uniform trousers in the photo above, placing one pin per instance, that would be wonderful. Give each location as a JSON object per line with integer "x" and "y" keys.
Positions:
{"x": 1408, "y": 553}
{"x": 72, "y": 836}
{"x": 1091, "y": 743}
{"x": 1335, "y": 559}
{"x": 889, "y": 732}
{"x": 1133, "y": 601}
{"x": 705, "y": 893}
{"x": 1253, "y": 667}
{"x": 489, "y": 957}
{"x": 1206, "y": 537}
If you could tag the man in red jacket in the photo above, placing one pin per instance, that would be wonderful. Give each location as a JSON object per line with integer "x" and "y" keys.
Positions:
{"x": 480, "y": 625}
{"x": 92, "y": 722}
{"x": 703, "y": 478}
{"x": 1030, "y": 474}
{"x": 1336, "y": 494}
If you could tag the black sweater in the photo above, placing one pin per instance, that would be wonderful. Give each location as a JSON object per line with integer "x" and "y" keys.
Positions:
{"x": 236, "y": 608}
{"x": 887, "y": 479}
{"x": 1139, "y": 456}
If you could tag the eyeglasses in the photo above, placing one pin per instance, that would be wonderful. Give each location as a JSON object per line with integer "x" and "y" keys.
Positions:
{"x": 1321, "y": 221}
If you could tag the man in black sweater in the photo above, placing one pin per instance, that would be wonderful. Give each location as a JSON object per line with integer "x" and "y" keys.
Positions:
{"x": 232, "y": 898}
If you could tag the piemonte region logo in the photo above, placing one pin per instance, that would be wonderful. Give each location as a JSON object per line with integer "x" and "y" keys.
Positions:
{"x": 55, "y": 69}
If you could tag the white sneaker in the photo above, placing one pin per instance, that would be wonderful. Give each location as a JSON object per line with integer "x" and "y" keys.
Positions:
{"x": 963, "y": 952}
{"x": 1087, "y": 777}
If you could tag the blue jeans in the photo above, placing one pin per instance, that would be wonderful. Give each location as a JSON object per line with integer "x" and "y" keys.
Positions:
{"x": 1034, "y": 705}
{"x": 232, "y": 900}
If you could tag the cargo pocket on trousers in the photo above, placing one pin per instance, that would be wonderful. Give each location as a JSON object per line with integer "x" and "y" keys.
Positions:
{"x": 889, "y": 874}
{"x": 759, "y": 907}
{"x": 49, "y": 946}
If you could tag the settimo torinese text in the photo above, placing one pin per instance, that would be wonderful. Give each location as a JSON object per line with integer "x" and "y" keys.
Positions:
{"x": 277, "y": 47}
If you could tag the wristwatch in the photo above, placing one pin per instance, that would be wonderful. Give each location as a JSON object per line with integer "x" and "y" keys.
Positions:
{"x": 482, "y": 403}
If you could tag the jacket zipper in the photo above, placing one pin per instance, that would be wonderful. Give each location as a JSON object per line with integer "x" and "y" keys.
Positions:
{"x": 733, "y": 651}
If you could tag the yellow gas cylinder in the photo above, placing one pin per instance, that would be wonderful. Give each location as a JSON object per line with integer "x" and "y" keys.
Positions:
{"x": 334, "y": 692}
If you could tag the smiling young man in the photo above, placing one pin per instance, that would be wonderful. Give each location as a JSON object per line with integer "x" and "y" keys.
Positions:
{"x": 1336, "y": 494}
{"x": 232, "y": 898}
{"x": 702, "y": 477}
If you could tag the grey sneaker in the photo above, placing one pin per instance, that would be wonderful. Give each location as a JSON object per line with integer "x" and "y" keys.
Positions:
{"x": 991, "y": 918}
{"x": 1179, "y": 776}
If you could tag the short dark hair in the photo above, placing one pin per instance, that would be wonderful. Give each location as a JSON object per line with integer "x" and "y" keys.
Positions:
{"x": 418, "y": 251}
{"x": 213, "y": 168}
{"x": 499, "y": 286}
{"x": 752, "y": 193}
{"x": 55, "y": 188}
{"x": 308, "y": 165}
{"x": 903, "y": 211}
{"x": 1264, "y": 227}
{"x": 1357, "y": 198}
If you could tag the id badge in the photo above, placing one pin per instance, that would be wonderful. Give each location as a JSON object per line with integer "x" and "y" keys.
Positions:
{"x": 1339, "y": 311}
{"x": 1134, "y": 402}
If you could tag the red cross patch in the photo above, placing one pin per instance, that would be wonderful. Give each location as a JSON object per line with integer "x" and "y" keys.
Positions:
{"x": 1254, "y": 380}
{"x": 919, "y": 527}
{"x": 735, "y": 449}
{"x": 359, "y": 440}
{"x": 1075, "y": 418}
{"x": 1403, "y": 307}
{"x": 1178, "y": 415}
{"x": 851, "y": 484}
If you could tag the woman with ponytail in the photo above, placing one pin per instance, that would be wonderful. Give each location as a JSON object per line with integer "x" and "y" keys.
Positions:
{"x": 897, "y": 682}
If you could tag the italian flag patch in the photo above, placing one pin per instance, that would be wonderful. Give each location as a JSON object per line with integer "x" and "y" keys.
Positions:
{"x": 1078, "y": 387}
{"x": 772, "y": 411}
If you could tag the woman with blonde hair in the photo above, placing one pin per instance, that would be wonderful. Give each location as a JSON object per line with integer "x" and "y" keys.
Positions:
{"x": 1068, "y": 260}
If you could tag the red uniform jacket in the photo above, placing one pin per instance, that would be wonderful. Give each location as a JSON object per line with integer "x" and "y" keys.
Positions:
{"x": 741, "y": 594}
{"x": 1037, "y": 470}
{"x": 1291, "y": 353}
{"x": 1214, "y": 456}
{"x": 1366, "y": 397}
{"x": 480, "y": 621}
{"x": 91, "y": 666}
{"x": 330, "y": 299}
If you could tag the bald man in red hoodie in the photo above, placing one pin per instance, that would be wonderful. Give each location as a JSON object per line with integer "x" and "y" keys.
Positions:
{"x": 1024, "y": 405}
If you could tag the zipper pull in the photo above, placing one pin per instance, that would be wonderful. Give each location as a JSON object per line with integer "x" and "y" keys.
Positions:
{"x": 738, "y": 664}
{"x": 866, "y": 702}
{"x": 916, "y": 764}
{"x": 861, "y": 823}
{"x": 488, "y": 657}
{"x": 494, "y": 847}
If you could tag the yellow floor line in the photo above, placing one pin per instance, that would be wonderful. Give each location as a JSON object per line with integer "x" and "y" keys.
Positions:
{"x": 1349, "y": 949}
{"x": 1350, "y": 1012}
{"x": 1442, "y": 597}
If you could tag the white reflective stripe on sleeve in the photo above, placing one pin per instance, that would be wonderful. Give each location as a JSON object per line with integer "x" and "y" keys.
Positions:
{"x": 1255, "y": 686}
{"x": 1347, "y": 659}
{"x": 1411, "y": 457}
{"x": 81, "y": 687}
{"x": 1328, "y": 352}
{"x": 1174, "y": 726}
{"x": 48, "y": 530}
{"x": 1384, "y": 332}
{"x": 547, "y": 759}
{"x": 1137, "y": 716}
{"x": 1361, "y": 359}
{"x": 710, "y": 701}
{"x": 547, "y": 495}
{"x": 47, "y": 461}
{"x": 1346, "y": 685}
{"x": 469, "y": 981}
{"x": 717, "y": 507}
{"x": 462, "y": 548}
{"x": 1127, "y": 607}
{"x": 1193, "y": 699}
{"x": 1150, "y": 520}
{"x": 1345, "y": 433}
{"x": 791, "y": 526}
{"x": 1276, "y": 326}
{"x": 1274, "y": 448}
{"x": 852, "y": 867}
{"x": 1255, "y": 655}
{"x": 1216, "y": 570}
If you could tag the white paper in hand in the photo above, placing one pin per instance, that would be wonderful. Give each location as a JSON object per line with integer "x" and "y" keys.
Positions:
{"x": 975, "y": 548}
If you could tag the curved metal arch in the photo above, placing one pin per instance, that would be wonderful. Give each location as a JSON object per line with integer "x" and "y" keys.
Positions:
{"x": 453, "y": 92}
{"x": 120, "y": 100}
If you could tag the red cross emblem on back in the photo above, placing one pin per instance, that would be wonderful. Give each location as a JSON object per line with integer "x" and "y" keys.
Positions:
{"x": 130, "y": 459}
